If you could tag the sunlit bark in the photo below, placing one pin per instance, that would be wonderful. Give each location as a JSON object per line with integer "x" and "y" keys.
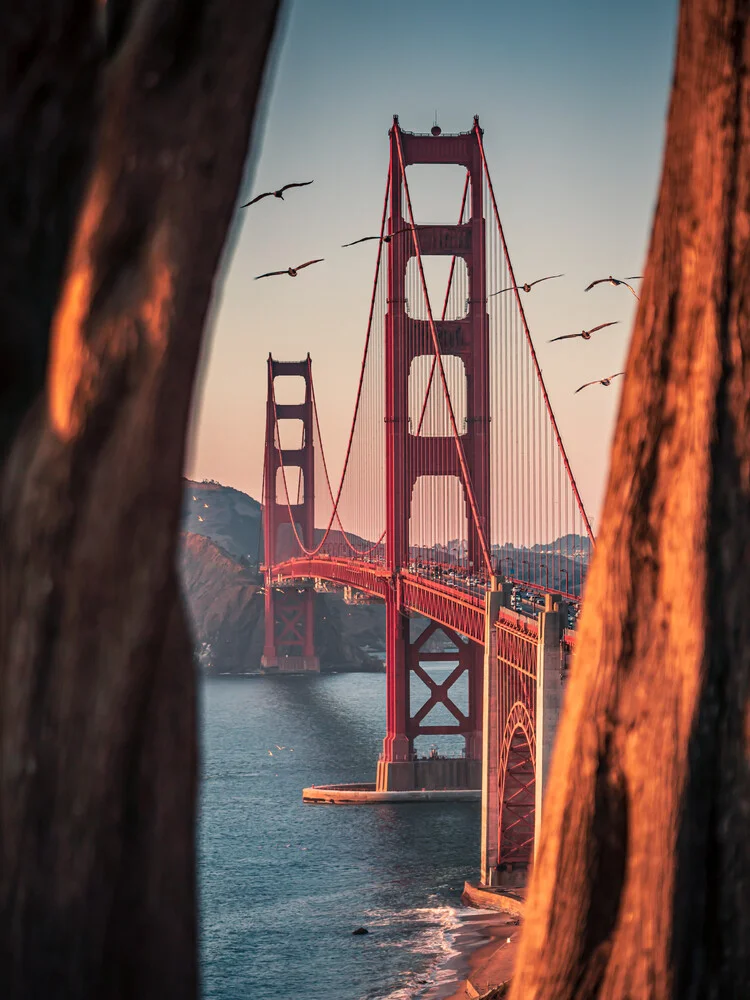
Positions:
{"x": 642, "y": 883}
{"x": 121, "y": 160}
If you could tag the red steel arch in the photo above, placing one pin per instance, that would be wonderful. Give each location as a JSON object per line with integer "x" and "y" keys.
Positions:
{"x": 517, "y": 781}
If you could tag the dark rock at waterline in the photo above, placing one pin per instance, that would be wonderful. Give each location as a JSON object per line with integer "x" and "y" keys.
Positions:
{"x": 361, "y": 930}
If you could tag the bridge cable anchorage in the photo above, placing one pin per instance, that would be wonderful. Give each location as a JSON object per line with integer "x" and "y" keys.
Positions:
{"x": 529, "y": 341}
{"x": 335, "y": 516}
{"x": 468, "y": 486}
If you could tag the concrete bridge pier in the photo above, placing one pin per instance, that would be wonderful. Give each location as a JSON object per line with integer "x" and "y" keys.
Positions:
{"x": 549, "y": 695}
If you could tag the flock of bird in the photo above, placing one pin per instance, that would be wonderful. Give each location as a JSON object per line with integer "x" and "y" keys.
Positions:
{"x": 584, "y": 334}
{"x": 292, "y": 272}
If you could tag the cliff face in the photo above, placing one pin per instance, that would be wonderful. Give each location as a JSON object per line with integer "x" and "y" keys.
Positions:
{"x": 225, "y": 608}
{"x": 222, "y": 589}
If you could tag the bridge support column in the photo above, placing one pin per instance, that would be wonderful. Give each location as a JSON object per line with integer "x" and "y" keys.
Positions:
{"x": 549, "y": 694}
{"x": 269, "y": 643}
{"x": 407, "y": 654}
{"x": 397, "y": 746}
{"x": 491, "y": 738}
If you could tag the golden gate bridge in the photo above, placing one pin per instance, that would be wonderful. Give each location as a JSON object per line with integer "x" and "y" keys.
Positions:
{"x": 455, "y": 491}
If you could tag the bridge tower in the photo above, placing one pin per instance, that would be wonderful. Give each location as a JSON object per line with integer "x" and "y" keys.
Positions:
{"x": 409, "y": 457}
{"x": 289, "y": 610}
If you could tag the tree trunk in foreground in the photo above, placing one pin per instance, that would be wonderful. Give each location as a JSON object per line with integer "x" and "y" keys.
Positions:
{"x": 120, "y": 164}
{"x": 642, "y": 881}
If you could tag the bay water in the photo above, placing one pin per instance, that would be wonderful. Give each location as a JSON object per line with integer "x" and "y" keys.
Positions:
{"x": 284, "y": 884}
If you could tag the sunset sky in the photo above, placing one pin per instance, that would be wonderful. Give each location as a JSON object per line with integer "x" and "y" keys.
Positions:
{"x": 572, "y": 99}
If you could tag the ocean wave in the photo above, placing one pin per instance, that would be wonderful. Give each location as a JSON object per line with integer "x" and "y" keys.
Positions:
{"x": 228, "y": 775}
{"x": 431, "y": 933}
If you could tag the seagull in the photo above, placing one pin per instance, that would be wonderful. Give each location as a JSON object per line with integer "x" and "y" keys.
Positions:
{"x": 599, "y": 381}
{"x": 276, "y": 194}
{"x": 527, "y": 286}
{"x": 270, "y": 754}
{"x": 386, "y": 239}
{"x": 278, "y": 747}
{"x": 291, "y": 271}
{"x": 616, "y": 281}
{"x": 586, "y": 334}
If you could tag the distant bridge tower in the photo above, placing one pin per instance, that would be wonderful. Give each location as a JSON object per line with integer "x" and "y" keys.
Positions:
{"x": 289, "y": 610}
{"x": 409, "y": 457}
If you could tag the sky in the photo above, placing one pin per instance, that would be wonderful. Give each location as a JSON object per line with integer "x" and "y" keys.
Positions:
{"x": 572, "y": 98}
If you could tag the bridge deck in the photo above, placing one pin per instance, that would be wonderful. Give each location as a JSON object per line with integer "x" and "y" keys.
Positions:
{"x": 457, "y": 609}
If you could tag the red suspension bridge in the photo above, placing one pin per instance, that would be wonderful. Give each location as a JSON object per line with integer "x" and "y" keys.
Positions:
{"x": 456, "y": 494}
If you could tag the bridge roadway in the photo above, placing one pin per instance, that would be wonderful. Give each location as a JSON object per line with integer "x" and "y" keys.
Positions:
{"x": 460, "y": 609}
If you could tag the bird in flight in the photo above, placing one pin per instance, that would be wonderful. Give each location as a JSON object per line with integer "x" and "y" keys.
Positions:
{"x": 276, "y": 194}
{"x": 526, "y": 287}
{"x": 616, "y": 281}
{"x": 586, "y": 334}
{"x": 599, "y": 381}
{"x": 291, "y": 271}
{"x": 386, "y": 239}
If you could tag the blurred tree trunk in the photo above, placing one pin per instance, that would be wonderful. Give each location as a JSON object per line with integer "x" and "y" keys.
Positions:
{"x": 642, "y": 881}
{"x": 123, "y": 135}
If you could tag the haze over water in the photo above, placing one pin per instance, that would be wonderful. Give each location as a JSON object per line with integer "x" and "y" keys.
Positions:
{"x": 284, "y": 884}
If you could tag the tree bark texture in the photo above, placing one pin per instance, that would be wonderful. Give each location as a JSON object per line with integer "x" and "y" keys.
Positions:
{"x": 642, "y": 880}
{"x": 123, "y": 135}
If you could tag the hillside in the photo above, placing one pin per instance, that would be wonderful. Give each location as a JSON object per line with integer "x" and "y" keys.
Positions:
{"x": 218, "y": 568}
{"x": 228, "y": 516}
{"x": 226, "y": 611}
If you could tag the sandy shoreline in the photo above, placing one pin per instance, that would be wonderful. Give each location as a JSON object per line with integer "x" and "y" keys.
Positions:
{"x": 485, "y": 956}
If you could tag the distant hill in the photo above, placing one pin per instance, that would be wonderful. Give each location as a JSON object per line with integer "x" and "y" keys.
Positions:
{"x": 221, "y": 536}
{"x": 228, "y": 516}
